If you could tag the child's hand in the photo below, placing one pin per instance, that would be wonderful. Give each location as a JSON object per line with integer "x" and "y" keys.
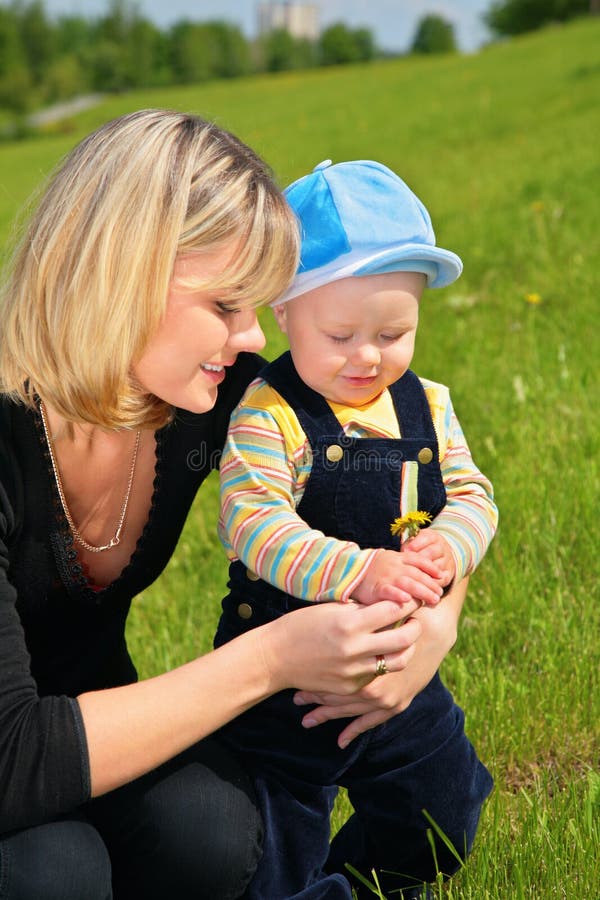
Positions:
{"x": 431, "y": 544}
{"x": 402, "y": 577}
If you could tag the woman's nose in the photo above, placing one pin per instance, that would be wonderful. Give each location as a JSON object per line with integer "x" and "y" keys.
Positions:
{"x": 246, "y": 333}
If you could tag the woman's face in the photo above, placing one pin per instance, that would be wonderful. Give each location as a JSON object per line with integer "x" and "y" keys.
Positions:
{"x": 185, "y": 361}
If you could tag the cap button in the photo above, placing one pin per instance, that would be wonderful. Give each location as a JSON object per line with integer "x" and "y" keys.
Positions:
{"x": 322, "y": 165}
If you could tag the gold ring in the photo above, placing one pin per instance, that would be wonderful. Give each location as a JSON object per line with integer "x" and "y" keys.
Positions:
{"x": 380, "y": 668}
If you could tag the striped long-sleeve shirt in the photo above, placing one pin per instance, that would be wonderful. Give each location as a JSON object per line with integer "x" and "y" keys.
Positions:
{"x": 266, "y": 464}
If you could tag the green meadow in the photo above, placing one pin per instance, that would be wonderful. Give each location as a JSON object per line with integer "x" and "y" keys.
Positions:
{"x": 503, "y": 147}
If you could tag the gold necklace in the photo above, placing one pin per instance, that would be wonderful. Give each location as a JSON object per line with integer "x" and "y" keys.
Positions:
{"x": 76, "y": 534}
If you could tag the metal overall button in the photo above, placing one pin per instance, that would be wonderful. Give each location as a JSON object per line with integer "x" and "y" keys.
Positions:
{"x": 425, "y": 455}
{"x": 334, "y": 453}
{"x": 244, "y": 611}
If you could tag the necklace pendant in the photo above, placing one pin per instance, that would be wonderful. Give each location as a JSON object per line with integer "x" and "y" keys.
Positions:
{"x": 114, "y": 541}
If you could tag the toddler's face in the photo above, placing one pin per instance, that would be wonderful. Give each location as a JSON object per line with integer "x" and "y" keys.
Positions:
{"x": 352, "y": 338}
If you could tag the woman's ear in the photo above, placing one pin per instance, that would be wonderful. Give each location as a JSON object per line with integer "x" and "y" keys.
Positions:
{"x": 279, "y": 312}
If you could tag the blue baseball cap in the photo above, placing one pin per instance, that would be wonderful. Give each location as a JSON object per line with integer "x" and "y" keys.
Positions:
{"x": 360, "y": 218}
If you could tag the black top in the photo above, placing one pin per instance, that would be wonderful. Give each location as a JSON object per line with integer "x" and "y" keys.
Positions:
{"x": 60, "y": 637}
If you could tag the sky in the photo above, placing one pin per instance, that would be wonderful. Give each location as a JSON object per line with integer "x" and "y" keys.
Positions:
{"x": 393, "y": 22}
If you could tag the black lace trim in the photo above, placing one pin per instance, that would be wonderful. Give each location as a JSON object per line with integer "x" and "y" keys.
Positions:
{"x": 67, "y": 559}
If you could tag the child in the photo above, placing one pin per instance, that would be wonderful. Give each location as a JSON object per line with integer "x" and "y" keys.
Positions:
{"x": 334, "y": 441}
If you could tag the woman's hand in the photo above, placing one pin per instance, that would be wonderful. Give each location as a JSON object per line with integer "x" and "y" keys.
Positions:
{"x": 332, "y": 648}
{"x": 381, "y": 698}
{"x": 328, "y": 648}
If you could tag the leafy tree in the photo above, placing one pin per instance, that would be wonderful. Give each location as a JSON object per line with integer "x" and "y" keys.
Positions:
{"x": 127, "y": 50}
{"x": 232, "y": 53}
{"x": 517, "y": 16}
{"x": 280, "y": 51}
{"x": 277, "y": 50}
{"x": 107, "y": 65}
{"x": 38, "y": 38}
{"x": 365, "y": 44}
{"x": 73, "y": 34}
{"x": 15, "y": 78}
{"x": 147, "y": 57}
{"x": 115, "y": 25}
{"x": 65, "y": 77}
{"x": 434, "y": 35}
{"x": 339, "y": 44}
{"x": 198, "y": 52}
{"x": 306, "y": 53}
{"x": 191, "y": 52}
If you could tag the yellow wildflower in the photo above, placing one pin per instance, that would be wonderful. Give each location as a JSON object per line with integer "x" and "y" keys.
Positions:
{"x": 534, "y": 299}
{"x": 409, "y": 525}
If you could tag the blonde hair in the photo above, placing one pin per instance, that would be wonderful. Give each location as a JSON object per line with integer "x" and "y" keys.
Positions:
{"x": 88, "y": 285}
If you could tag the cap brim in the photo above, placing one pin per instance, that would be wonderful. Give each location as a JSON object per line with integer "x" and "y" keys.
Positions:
{"x": 441, "y": 267}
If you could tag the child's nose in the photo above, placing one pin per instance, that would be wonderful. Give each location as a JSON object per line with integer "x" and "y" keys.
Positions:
{"x": 367, "y": 355}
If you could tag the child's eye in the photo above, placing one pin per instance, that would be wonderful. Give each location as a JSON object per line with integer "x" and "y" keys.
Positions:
{"x": 390, "y": 338}
{"x": 339, "y": 339}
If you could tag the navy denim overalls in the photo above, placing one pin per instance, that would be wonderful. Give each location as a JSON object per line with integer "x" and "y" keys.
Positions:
{"x": 419, "y": 759}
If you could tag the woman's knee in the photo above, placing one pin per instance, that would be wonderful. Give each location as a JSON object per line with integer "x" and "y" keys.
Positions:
{"x": 198, "y": 834}
{"x": 64, "y": 860}
{"x": 213, "y": 841}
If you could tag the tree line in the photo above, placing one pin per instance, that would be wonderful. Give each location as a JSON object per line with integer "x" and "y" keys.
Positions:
{"x": 45, "y": 60}
{"x": 509, "y": 17}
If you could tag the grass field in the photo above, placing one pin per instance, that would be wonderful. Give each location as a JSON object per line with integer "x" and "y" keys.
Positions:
{"x": 503, "y": 148}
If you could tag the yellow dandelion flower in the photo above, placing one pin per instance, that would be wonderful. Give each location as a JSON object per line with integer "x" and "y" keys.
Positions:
{"x": 533, "y": 299}
{"x": 410, "y": 524}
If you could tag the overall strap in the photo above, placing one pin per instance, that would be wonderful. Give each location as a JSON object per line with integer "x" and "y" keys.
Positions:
{"x": 412, "y": 408}
{"x": 316, "y": 416}
{"x": 313, "y": 411}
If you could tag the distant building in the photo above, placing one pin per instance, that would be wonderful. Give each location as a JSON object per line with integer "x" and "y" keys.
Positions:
{"x": 301, "y": 20}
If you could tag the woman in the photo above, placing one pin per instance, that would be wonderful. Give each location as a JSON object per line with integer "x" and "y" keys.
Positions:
{"x": 127, "y": 335}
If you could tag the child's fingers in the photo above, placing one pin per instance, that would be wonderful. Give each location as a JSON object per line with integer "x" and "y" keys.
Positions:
{"x": 421, "y": 561}
{"x": 391, "y": 592}
{"x": 407, "y": 590}
{"x": 421, "y": 540}
{"x": 427, "y": 595}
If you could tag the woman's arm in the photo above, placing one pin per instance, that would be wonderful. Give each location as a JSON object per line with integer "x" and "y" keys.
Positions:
{"x": 385, "y": 697}
{"x": 330, "y": 648}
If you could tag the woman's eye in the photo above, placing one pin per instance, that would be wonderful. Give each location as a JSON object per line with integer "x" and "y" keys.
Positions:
{"x": 227, "y": 308}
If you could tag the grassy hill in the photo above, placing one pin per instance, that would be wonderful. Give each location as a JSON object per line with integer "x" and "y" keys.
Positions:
{"x": 503, "y": 148}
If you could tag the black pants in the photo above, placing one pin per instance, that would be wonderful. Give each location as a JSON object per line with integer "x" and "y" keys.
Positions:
{"x": 189, "y": 829}
{"x": 418, "y": 760}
